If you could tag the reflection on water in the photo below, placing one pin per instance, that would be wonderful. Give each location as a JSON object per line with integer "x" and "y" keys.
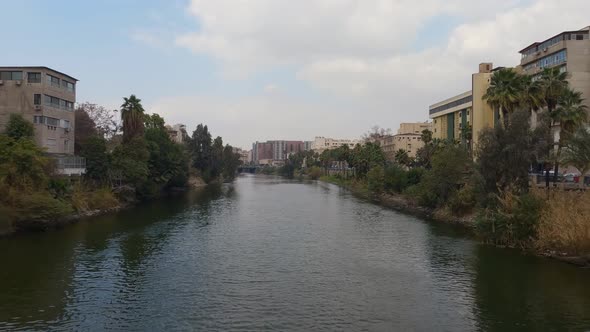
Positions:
{"x": 270, "y": 254}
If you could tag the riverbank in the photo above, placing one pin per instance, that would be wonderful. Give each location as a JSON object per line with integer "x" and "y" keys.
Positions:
{"x": 87, "y": 204}
{"x": 406, "y": 205}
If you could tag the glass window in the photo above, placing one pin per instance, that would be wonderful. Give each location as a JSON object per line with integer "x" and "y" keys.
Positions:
{"x": 52, "y": 121}
{"x": 38, "y": 119}
{"x": 37, "y": 99}
{"x": 34, "y": 77}
{"x": 11, "y": 75}
{"x": 52, "y": 80}
{"x": 65, "y": 124}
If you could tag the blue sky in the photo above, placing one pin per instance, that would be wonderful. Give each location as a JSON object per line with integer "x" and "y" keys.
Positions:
{"x": 262, "y": 69}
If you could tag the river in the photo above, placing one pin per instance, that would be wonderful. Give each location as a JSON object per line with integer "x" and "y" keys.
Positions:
{"x": 270, "y": 254}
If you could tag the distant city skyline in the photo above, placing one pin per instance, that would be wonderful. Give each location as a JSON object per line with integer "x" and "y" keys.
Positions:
{"x": 258, "y": 70}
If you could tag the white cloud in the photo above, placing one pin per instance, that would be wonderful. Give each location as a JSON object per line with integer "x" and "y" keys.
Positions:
{"x": 360, "y": 52}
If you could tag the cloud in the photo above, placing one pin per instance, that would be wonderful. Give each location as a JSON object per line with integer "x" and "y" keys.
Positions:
{"x": 361, "y": 53}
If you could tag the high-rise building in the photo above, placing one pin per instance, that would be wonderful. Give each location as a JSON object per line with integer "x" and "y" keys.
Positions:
{"x": 275, "y": 152}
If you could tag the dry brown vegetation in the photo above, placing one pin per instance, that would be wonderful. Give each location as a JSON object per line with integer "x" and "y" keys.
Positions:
{"x": 565, "y": 222}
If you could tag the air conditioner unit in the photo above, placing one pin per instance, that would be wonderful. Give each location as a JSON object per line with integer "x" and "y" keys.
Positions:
{"x": 545, "y": 49}
{"x": 38, "y": 107}
{"x": 18, "y": 82}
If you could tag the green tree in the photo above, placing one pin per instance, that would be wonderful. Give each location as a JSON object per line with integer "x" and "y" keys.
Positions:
{"x": 154, "y": 121}
{"x": 571, "y": 114}
{"x": 577, "y": 152}
{"x": 553, "y": 83}
{"x": 231, "y": 161}
{"x": 94, "y": 149}
{"x": 130, "y": 160}
{"x": 402, "y": 158}
{"x": 23, "y": 166}
{"x": 200, "y": 147}
{"x": 216, "y": 163}
{"x": 85, "y": 128}
{"x": 132, "y": 116}
{"x": 17, "y": 127}
{"x": 364, "y": 157}
{"x": 504, "y": 94}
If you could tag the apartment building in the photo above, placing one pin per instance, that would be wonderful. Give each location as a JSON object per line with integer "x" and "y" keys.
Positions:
{"x": 177, "y": 133}
{"x": 468, "y": 109}
{"x": 275, "y": 152}
{"x": 569, "y": 51}
{"x": 321, "y": 144}
{"x": 409, "y": 142}
{"x": 414, "y": 128}
{"x": 45, "y": 97}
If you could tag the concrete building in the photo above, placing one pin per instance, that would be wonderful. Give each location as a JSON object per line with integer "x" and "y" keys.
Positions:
{"x": 46, "y": 98}
{"x": 410, "y": 142}
{"x": 569, "y": 51}
{"x": 414, "y": 128}
{"x": 466, "y": 110}
{"x": 320, "y": 144}
{"x": 177, "y": 133}
{"x": 275, "y": 152}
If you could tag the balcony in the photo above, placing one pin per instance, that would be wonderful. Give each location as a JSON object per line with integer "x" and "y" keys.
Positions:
{"x": 70, "y": 165}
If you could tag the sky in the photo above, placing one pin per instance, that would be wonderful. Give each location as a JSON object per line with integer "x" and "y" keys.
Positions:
{"x": 257, "y": 70}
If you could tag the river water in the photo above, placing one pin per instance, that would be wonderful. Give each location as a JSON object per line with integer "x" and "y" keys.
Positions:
{"x": 271, "y": 254}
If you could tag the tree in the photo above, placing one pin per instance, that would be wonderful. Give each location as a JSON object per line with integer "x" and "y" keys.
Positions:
{"x": 22, "y": 164}
{"x": 231, "y": 161}
{"x": 553, "y": 82}
{"x": 376, "y": 133}
{"x": 571, "y": 114}
{"x": 17, "y": 127}
{"x": 505, "y": 153}
{"x": 132, "y": 116}
{"x": 216, "y": 163}
{"x": 85, "y": 128}
{"x": 402, "y": 158}
{"x": 200, "y": 147}
{"x": 532, "y": 97}
{"x": 130, "y": 160}
{"x": 94, "y": 150}
{"x": 505, "y": 92}
{"x": 577, "y": 152}
{"x": 364, "y": 157}
{"x": 104, "y": 120}
{"x": 426, "y": 136}
{"x": 154, "y": 121}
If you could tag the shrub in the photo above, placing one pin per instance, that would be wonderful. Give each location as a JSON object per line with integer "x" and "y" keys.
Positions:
{"x": 39, "y": 206}
{"x": 463, "y": 201}
{"x": 314, "y": 173}
{"x": 396, "y": 179}
{"x": 375, "y": 179}
{"x": 414, "y": 176}
{"x": 512, "y": 222}
{"x": 565, "y": 222}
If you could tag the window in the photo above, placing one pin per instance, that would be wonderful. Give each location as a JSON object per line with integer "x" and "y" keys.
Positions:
{"x": 52, "y": 121}
{"x": 37, "y": 119}
{"x": 65, "y": 124}
{"x": 50, "y": 142}
{"x": 67, "y": 85}
{"x": 11, "y": 75}
{"x": 579, "y": 37}
{"x": 52, "y": 80}
{"x": 37, "y": 99}
{"x": 34, "y": 77}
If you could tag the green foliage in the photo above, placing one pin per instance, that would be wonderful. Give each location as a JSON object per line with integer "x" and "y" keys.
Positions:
{"x": 364, "y": 157}
{"x": 131, "y": 161}
{"x": 506, "y": 152}
{"x": 512, "y": 222}
{"x": 154, "y": 121}
{"x": 414, "y": 176}
{"x": 396, "y": 179}
{"x": 376, "y": 179}
{"x": 230, "y": 163}
{"x": 577, "y": 151}
{"x": 22, "y": 164}
{"x": 98, "y": 161}
{"x": 38, "y": 206}
{"x": 132, "y": 115}
{"x": 17, "y": 127}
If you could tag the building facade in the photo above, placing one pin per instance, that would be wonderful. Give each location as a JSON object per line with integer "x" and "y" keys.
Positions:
{"x": 464, "y": 116}
{"x": 414, "y": 128}
{"x": 409, "y": 142}
{"x": 569, "y": 51}
{"x": 46, "y": 98}
{"x": 275, "y": 152}
{"x": 321, "y": 144}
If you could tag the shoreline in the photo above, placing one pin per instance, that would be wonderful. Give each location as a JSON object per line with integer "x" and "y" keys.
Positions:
{"x": 404, "y": 205}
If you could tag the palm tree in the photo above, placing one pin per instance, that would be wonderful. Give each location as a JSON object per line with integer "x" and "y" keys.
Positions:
{"x": 532, "y": 94}
{"x": 401, "y": 157}
{"x": 570, "y": 114}
{"x": 577, "y": 152}
{"x": 553, "y": 83}
{"x": 505, "y": 92}
{"x": 132, "y": 115}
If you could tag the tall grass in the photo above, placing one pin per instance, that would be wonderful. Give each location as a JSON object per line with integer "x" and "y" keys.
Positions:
{"x": 565, "y": 222}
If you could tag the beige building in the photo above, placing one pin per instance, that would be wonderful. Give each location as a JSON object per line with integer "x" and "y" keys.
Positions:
{"x": 414, "y": 128}
{"x": 466, "y": 110}
{"x": 45, "y": 97}
{"x": 410, "y": 143}
{"x": 569, "y": 51}
{"x": 177, "y": 133}
{"x": 320, "y": 144}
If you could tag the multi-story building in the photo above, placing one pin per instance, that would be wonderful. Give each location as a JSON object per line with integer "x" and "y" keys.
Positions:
{"x": 414, "y": 128}
{"x": 275, "y": 152}
{"x": 45, "y": 97}
{"x": 569, "y": 51}
{"x": 453, "y": 116}
{"x": 320, "y": 144}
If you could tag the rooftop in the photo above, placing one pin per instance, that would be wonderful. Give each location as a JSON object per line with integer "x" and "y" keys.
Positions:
{"x": 39, "y": 68}
{"x": 535, "y": 44}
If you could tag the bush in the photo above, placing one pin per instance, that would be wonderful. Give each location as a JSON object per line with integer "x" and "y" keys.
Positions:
{"x": 396, "y": 179}
{"x": 463, "y": 201}
{"x": 314, "y": 173}
{"x": 39, "y": 206}
{"x": 565, "y": 222}
{"x": 414, "y": 176}
{"x": 512, "y": 222}
{"x": 376, "y": 179}
{"x": 89, "y": 200}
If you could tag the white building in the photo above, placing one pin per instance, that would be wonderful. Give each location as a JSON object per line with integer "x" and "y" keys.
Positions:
{"x": 320, "y": 144}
